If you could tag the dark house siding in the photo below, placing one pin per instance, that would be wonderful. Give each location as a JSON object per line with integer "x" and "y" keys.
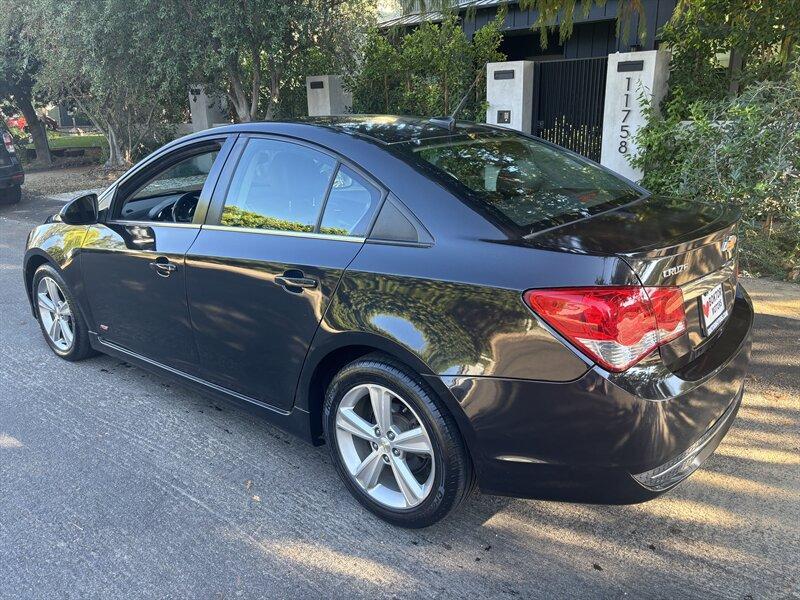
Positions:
{"x": 593, "y": 35}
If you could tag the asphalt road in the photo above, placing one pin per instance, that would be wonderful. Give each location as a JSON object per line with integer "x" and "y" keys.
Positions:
{"x": 118, "y": 483}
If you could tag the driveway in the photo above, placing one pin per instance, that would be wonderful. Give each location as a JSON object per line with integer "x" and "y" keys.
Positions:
{"x": 118, "y": 483}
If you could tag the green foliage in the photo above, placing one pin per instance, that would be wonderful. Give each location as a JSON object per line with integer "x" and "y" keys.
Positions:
{"x": 233, "y": 216}
{"x": 20, "y": 64}
{"x": 743, "y": 151}
{"x": 127, "y": 79}
{"x": 762, "y": 36}
{"x": 337, "y": 40}
{"x": 428, "y": 71}
{"x": 18, "y": 135}
{"x": 255, "y": 52}
{"x": 63, "y": 142}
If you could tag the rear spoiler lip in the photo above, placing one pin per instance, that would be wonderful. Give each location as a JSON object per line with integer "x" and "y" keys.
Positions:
{"x": 724, "y": 223}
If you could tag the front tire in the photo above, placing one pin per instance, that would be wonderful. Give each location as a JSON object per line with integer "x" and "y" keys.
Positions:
{"x": 394, "y": 444}
{"x": 61, "y": 322}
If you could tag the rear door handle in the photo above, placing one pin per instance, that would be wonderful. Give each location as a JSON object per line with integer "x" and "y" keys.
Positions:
{"x": 163, "y": 267}
{"x": 299, "y": 282}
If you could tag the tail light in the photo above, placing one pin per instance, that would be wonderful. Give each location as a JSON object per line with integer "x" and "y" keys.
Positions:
{"x": 615, "y": 326}
{"x": 8, "y": 142}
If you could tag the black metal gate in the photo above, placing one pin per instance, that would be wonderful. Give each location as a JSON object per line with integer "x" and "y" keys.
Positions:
{"x": 568, "y": 98}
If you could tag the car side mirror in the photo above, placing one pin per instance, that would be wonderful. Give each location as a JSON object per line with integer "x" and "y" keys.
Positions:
{"x": 80, "y": 211}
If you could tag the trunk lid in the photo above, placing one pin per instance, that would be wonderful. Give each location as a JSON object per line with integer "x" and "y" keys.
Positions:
{"x": 666, "y": 242}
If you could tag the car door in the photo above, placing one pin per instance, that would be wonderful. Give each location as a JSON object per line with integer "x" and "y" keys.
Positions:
{"x": 285, "y": 221}
{"x": 133, "y": 260}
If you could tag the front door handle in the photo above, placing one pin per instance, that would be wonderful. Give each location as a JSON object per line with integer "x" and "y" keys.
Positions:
{"x": 295, "y": 281}
{"x": 163, "y": 267}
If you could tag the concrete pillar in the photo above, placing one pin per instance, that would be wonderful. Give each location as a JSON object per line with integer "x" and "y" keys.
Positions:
{"x": 509, "y": 93}
{"x": 206, "y": 111}
{"x": 631, "y": 75}
{"x": 327, "y": 97}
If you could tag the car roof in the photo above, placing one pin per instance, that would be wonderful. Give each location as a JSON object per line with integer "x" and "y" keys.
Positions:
{"x": 384, "y": 129}
{"x": 394, "y": 129}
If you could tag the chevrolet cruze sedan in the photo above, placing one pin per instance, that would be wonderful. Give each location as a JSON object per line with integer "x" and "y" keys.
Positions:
{"x": 443, "y": 304}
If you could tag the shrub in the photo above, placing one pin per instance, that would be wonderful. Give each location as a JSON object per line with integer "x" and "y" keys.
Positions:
{"x": 743, "y": 151}
{"x": 427, "y": 71}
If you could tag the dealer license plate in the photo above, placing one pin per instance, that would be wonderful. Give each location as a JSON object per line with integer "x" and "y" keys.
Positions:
{"x": 712, "y": 305}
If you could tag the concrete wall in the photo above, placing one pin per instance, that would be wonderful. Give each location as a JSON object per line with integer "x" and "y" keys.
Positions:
{"x": 631, "y": 76}
{"x": 509, "y": 92}
{"x": 206, "y": 110}
{"x": 327, "y": 96}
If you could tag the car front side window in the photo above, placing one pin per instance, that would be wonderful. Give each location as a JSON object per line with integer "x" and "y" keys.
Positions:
{"x": 152, "y": 196}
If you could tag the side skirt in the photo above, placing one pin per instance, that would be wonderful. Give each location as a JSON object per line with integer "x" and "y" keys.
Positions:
{"x": 296, "y": 421}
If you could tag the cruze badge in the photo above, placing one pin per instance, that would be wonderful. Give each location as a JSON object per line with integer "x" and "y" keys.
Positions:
{"x": 674, "y": 270}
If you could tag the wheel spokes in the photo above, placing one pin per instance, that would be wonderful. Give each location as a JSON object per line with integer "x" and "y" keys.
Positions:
{"x": 369, "y": 470}
{"x": 55, "y": 329}
{"x": 66, "y": 330}
{"x": 45, "y": 302}
{"x": 55, "y": 314}
{"x": 409, "y": 486}
{"x": 65, "y": 310}
{"x": 381, "y": 401}
{"x": 378, "y": 431}
{"x": 52, "y": 290}
{"x": 349, "y": 421}
{"x": 413, "y": 440}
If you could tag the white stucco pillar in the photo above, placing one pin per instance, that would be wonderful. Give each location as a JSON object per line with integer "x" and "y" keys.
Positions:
{"x": 631, "y": 75}
{"x": 206, "y": 111}
{"x": 509, "y": 93}
{"x": 327, "y": 96}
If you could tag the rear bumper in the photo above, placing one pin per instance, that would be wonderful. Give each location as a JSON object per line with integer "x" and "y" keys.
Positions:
{"x": 11, "y": 176}
{"x": 606, "y": 439}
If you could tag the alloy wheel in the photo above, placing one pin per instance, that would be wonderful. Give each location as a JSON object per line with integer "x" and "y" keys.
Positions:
{"x": 55, "y": 314}
{"x": 384, "y": 446}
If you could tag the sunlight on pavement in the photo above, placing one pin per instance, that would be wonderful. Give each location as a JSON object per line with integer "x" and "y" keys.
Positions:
{"x": 704, "y": 551}
{"x": 743, "y": 435}
{"x": 741, "y": 485}
{"x": 689, "y": 511}
{"x": 764, "y": 455}
{"x": 8, "y": 442}
{"x": 318, "y": 557}
{"x": 769, "y": 303}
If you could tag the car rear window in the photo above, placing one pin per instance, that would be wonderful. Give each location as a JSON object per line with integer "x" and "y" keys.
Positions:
{"x": 528, "y": 183}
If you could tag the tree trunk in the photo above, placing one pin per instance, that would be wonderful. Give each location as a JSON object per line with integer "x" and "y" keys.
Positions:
{"x": 768, "y": 225}
{"x": 274, "y": 94}
{"x": 36, "y": 127}
{"x": 115, "y": 157}
{"x": 237, "y": 95}
{"x": 256, "y": 88}
{"x": 735, "y": 72}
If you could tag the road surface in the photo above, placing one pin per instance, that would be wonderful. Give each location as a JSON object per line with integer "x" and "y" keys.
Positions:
{"x": 118, "y": 483}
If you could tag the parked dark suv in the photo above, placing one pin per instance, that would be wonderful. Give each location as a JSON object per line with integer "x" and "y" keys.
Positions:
{"x": 441, "y": 303}
{"x": 11, "y": 175}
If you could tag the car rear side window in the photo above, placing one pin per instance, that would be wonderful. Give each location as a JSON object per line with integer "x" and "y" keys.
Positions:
{"x": 278, "y": 186}
{"x": 351, "y": 204}
{"x": 530, "y": 184}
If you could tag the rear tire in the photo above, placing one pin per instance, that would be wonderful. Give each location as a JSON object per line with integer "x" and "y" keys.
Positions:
{"x": 58, "y": 314}
{"x": 414, "y": 471}
{"x": 11, "y": 195}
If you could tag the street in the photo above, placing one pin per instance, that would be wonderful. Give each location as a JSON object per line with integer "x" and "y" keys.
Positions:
{"x": 118, "y": 483}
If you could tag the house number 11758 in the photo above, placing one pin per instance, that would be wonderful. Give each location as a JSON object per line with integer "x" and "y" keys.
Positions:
{"x": 624, "y": 131}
